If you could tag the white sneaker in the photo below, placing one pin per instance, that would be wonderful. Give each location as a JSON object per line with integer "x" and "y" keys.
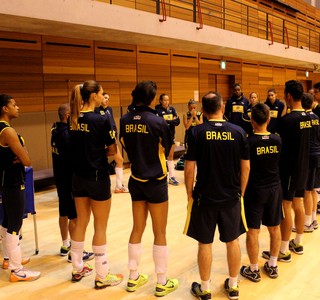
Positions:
{"x": 24, "y": 275}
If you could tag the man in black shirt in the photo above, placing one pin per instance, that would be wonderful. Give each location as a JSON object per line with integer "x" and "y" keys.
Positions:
{"x": 220, "y": 151}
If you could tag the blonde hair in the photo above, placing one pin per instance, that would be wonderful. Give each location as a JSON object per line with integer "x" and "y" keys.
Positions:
{"x": 81, "y": 94}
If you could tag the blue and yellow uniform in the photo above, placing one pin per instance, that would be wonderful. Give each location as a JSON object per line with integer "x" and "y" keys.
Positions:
{"x": 12, "y": 185}
{"x": 147, "y": 140}
{"x": 235, "y": 108}
{"x": 263, "y": 196}
{"x": 62, "y": 168}
{"x": 217, "y": 147}
{"x": 294, "y": 130}
{"x": 276, "y": 110}
{"x": 88, "y": 142}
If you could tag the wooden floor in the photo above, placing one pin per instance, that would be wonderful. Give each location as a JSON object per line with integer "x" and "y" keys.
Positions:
{"x": 298, "y": 279}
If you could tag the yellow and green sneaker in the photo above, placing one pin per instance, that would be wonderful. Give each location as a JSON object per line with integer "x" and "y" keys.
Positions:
{"x": 133, "y": 285}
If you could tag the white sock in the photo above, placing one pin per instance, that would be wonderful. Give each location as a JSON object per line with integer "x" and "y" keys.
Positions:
{"x": 254, "y": 267}
{"x": 298, "y": 238}
{"x": 134, "y": 254}
{"x": 314, "y": 216}
{"x": 66, "y": 243}
{"x": 170, "y": 168}
{"x": 76, "y": 255}
{"x": 119, "y": 177}
{"x": 3, "y": 233}
{"x": 14, "y": 251}
{"x": 273, "y": 261}
{"x": 307, "y": 220}
{"x": 284, "y": 248}
{"x": 233, "y": 282}
{"x": 205, "y": 285}
{"x": 160, "y": 258}
{"x": 101, "y": 260}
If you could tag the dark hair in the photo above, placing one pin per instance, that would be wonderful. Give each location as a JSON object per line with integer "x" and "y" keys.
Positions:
{"x": 62, "y": 110}
{"x": 306, "y": 100}
{"x": 272, "y": 91}
{"x": 260, "y": 113}
{"x": 317, "y": 86}
{"x": 144, "y": 93}
{"x": 294, "y": 88}
{"x": 161, "y": 97}
{"x": 81, "y": 94}
{"x": 4, "y": 100}
{"x": 104, "y": 93}
{"x": 211, "y": 102}
{"x": 235, "y": 85}
{"x": 191, "y": 102}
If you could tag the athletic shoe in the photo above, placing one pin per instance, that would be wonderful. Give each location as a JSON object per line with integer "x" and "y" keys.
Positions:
{"x": 315, "y": 224}
{"x": 233, "y": 293}
{"x": 283, "y": 257}
{"x": 251, "y": 275}
{"x": 64, "y": 250}
{"x": 173, "y": 181}
{"x": 133, "y": 285}
{"x": 109, "y": 280}
{"x": 170, "y": 286}
{"x": 296, "y": 248}
{"x": 272, "y": 271}
{"x": 121, "y": 190}
{"x": 199, "y": 293}
{"x": 78, "y": 275}
{"x": 5, "y": 263}
{"x": 24, "y": 275}
{"x": 309, "y": 228}
{"x": 86, "y": 256}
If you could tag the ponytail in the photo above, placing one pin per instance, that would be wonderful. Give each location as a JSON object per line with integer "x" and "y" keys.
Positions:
{"x": 75, "y": 105}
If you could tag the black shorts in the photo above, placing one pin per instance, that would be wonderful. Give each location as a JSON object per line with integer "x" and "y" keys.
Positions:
{"x": 202, "y": 219}
{"x": 317, "y": 180}
{"x": 263, "y": 205}
{"x": 98, "y": 190}
{"x": 290, "y": 194}
{"x": 67, "y": 207}
{"x": 153, "y": 191}
{"x": 311, "y": 181}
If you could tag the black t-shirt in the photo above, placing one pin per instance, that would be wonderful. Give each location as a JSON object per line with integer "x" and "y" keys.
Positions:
{"x": 294, "y": 129}
{"x": 88, "y": 145}
{"x": 170, "y": 115}
{"x": 265, "y": 152}
{"x": 218, "y": 148}
{"x": 147, "y": 140}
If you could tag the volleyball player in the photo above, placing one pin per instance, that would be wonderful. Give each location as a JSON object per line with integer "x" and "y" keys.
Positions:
{"x": 236, "y": 106}
{"x": 105, "y": 110}
{"x": 90, "y": 133}
{"x": 13, "y": 159}
{"x": 294, "y": 129}
{"x": 263, "y": 196}
{"x": 311, "y": 196}
{"x": 147, "y": 140}
{"x": 277, "y": 110}
{"x": 220, "y": 151}
{"x": 169, "y": 113}
{"x": 62, "y": 171}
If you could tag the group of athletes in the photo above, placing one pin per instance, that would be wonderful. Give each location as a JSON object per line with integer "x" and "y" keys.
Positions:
{"x": 244, "y": 162}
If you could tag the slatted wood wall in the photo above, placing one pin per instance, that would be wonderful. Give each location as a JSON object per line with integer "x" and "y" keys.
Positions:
{"x": 21, "y": 69}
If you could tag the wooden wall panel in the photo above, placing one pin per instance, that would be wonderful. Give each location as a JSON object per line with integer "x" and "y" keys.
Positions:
{"x": 65, "y": 60}
{"x": 21, "y": 70}
{"x": 154, "y": 64}
{"x": 117, "y": 62}
{"x": 265, "y": 79}
{"x": 209, "y": 65}
{"x": 291, "y": 74}
{"x": 184, "y": 75}
{"x": 279, "y": 74}
{"x": 250, "y": 73}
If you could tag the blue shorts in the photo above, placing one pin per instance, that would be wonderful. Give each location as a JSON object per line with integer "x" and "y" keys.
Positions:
{"x": 263, "y": 205}
{"x": 153, "y": 191}
{"x": 98, "y": 190}
{"x": 204, "y": 217}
